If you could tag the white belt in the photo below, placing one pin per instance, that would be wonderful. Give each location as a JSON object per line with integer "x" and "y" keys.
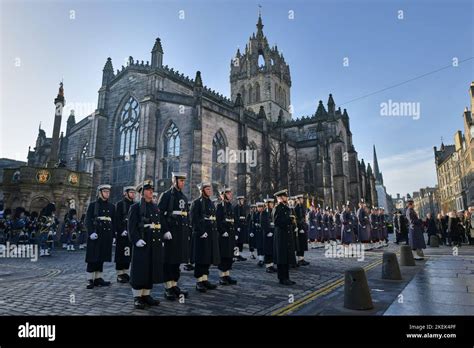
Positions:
{"x": 210, "y": 218}
{"x": 153, "y": 226}
{"x": 242, "y": 218}
{"x": 229, "y": 220}
{"x": 179, "y": 212}
{"x": 104, "y": 218}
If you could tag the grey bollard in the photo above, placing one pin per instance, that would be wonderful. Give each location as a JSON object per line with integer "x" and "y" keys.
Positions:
{"x": 356, "y": 290}
{"x": 434, "y": 241}
{"x": 406, "y": 256}
{"x": 390, "y": 268}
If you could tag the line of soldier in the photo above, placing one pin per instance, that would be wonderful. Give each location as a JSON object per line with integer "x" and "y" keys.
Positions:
{"x": 347, "y": 226}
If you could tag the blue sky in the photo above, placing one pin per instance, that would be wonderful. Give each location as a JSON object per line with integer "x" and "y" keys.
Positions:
{"x": 382, "y": 49}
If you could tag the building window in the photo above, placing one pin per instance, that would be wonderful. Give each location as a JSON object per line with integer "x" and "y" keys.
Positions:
{"x": 82, "y": 157}
{"x": 219, "y": 166}
{"x": 128, "y": 128}
{"x": 171, "y": 148}
{"x": 308, "y": 173}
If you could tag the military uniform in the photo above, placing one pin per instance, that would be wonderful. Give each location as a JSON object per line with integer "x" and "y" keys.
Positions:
{"x": 47, "y": 229}
{"x": 415, "y": 233}
{"x": 100, "y": 227}
{"x": 146, "y": 237}
{"x": 241, "y": 223}
{"x": 205, "y": 240}
{"x": 338, "y": 225}
{"x": 252, "y": 233}
{"x": 348, "y": 226}
{"x": 123, "y": 247}
{"x": 259, "y": 236}
{"x": 284, "y": 242}
{"x": 374, "y": 228}
{"x": 173, "y": 205}
{"x": 226, "y": 233}
{"x": 72, "y": 229}
{"x": 268, "y": 230}
{"x": 302, "y": 233}
{"x": 363, "y": 225}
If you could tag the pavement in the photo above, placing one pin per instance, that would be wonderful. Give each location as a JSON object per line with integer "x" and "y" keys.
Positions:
{"x": 56, "y": 285}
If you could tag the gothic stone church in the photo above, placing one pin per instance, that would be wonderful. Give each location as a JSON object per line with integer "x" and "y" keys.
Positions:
{"x": 152, "y": 120}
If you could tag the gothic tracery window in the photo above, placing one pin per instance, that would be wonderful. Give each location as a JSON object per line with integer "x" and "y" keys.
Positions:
{"x": 219, "y": 165}
{"x": 171, "y": 150}
{"x": 128, "y": 127}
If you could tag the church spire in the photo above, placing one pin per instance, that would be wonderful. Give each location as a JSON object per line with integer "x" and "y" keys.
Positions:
{"x": 377, "y": 173}
{"x": 259, "y": 23}
{"x": 331, "y": 105}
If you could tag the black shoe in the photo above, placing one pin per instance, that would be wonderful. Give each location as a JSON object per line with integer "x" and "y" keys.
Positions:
{"x": 252, "y": 256}
{"x": 231, "y": 280}
{"x": 260, "y": 263}
{"x": 287, "y": 282}
{"x": 188, "y": 267}
{"x": 101, "y": 282}
{"x": 223, "y": 281}
{"x": 121, "y": 279}
{"x": 179, "y": 292}
{"x": 126, "y": 276}
{"x": 209, "y": 285}
{"x": 294, "y": 266}
{"x": 170, "y": 294}
{"x": 270, "y": 269}
{"x": 150, "y": 301}
{"x": 241, "y": 258}
{"x": 201, "y": 287}
{"x": 303, "y": 263}
{"x": 139, "y": 303}
{"x": 90, "y": 284}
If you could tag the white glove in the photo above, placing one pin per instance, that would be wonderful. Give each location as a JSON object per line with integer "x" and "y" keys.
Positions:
{"x": 140, "y": 243}
{"x": 238, "y": 229}
{"x": 93, "y": 236}
{"x": 124, "y": 234}
{"x": 167, "y": 236}
{"x": 312, "y": 227}
{"x": 50, "y": 233}
{"x": 204, "y": 235}
{"x": 319, "y": 228}
{"x": 269, "y": 234}
{"x": 301, "y": 231}
{"x": 236, "y": 237}
{"x": 225, "y": 234}
{"x": 251, "y": 234}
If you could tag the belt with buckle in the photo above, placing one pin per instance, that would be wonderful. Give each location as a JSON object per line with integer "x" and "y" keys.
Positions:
{"x": 243, "y": 218}
{"x": 210, "y": 218}
{"x": 229, "y": 220}
{"x": 179, "y": 212}
{"x": 153, "y": 226}
{"x": 104, "y": 218}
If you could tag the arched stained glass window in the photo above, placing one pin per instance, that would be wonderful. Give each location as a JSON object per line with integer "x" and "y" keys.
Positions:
{"x": 219, "y": 166}
{"x": 171, "y": 150}
{"x": 82, "y": 157}
{"x": 128, "y": 127}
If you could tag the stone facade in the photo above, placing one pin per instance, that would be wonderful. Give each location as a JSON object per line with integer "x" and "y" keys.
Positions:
{"x": 151, "y": 119}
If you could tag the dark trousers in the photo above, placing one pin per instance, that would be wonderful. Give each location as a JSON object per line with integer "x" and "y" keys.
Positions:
{"x": 226, "y": 264}
{"x": 122, "y": 265}
{"x": 200, "y": 270}
{"x": 260, "y": 252}
{"x": 283, "y": 272}
{"x": 95, "y": 267}
{"x": 300, "y": 253}
{"x": 268, "y": 258}
{"x": 171, "y": 272}
{"x": 241, "y": 246}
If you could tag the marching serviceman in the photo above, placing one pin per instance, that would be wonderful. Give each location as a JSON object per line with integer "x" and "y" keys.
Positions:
{"x": 284, "y": 242}
{"x": 258, "y": 233}
{"x": 363, "y": 224}
{"x": 241, "y": 222}
{"x": 383, "y": 227}
{"x": 312, "y": 226}
{"x": 338, "y": 225}
{"x": 268, "y": 229}
{"x": 173, "y": 205}
{"x": 226, "y": 232}
{"x": 205, "y": 239}
{"x": 348, "y": 225}
{"x": 100, "y": 227}
{"x": 415, "y": 231}
{"x": 123, "y": 248}
{"x": 374, "y": 228}
{"x": 146, "y": 237}
{"x": 319, "y": 227}
{"x": 47, "y": 229}
{"x": 300, "y": 212}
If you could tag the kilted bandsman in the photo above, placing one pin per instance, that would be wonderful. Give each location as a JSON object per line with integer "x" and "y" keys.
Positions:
{"x": 72, "y": 229}
{"x": 348, "y": 225}
{"x": 146, "y": 236}
{"x": 47, "y": 229}
{"x": 226, "y": 233}
{"x": 363, "y": 225}
{"x": 173, "y": 205}
{"x": 241, "y": 222}
{"x": 284, "y": 243}
{"x": 100, "y": 227}
{"x": 123, "y": 247}
{"x": 268, "y": 230}
{"x": 300, "y": 212}
{"x": 205, "y": 240}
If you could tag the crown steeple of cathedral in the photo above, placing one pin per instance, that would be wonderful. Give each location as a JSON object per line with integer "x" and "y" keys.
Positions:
{"x": 259, "y": 26}
{"x": 377, "y": 172}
